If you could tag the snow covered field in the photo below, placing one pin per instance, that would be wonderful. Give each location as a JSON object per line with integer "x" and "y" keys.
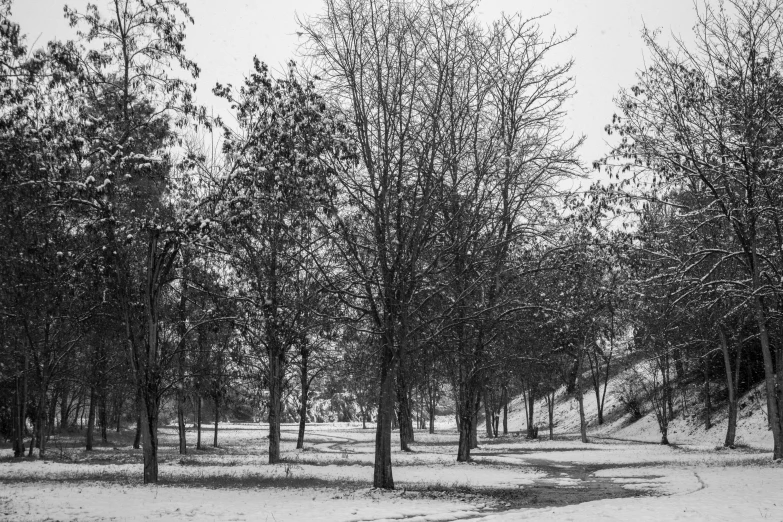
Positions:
{"x": 511, "y": 479}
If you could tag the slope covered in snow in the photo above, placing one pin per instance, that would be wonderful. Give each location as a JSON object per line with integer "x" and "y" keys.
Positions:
{"x": 687, "y": 428}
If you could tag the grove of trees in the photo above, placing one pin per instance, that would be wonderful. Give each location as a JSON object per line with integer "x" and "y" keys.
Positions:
{"x": 400, "y": 220}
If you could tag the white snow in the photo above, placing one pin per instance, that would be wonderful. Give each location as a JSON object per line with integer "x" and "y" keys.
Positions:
{"x": 111, "y": 502}
{"x": 330, "y": 479}
{"x": 731, "y": 494}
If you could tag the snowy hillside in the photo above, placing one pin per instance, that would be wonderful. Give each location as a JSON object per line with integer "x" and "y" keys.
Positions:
{"x": 686, "y": 429}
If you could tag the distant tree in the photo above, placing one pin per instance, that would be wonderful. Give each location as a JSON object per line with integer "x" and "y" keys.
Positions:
{"x": 285, "y": 154}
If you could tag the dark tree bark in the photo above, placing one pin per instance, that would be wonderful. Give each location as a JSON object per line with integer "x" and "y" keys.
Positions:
{"x": 532, "y": 433}
{"x": 706, "y": 391}
{"x": 773, "y": 384}
{"x": 180, "y": 357}
{"x": 91, "y": 418}
{"x": 466, "y": 411}
{"x": 183, "y": 446}
{"x": 432, "y": 404}
{"x": 474, "y": 421}
{"x": 661, "y": 397}
{"x": 600, "y": 377}
{"x": 20, "y": 401}
{"x": 732, "y": 385}
{"x": 18, "y": 420}
{"x": 404, "y": 411}
{"x": 505, "y": 410}
{"x": 550, "y": 405}
{"x": 582, "y": 423}
{"x": 79, "y": 413}
{"x": 276, "y": 375}
{"x": 198, "y": 422}
{"x": 580, "y": 399}
{"x": 64, "y": 404}
{"x": 149, "y": 435}
{"x": 465, "y": 430}
{"x": 305, "y": 384}
{"x": 103, "y": 415}
{"x": 382, "y": 474}
{"x": 488, "y": 414}
{"x": 217, "y": 420}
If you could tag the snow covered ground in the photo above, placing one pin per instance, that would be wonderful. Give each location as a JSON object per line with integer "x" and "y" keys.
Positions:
{"x": 510, "y": 479}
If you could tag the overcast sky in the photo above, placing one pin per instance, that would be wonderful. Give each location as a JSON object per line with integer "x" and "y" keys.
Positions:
{"x": 607, "y": 48}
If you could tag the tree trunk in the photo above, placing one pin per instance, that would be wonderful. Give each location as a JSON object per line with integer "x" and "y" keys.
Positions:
{"x": 487, "y": 413}
{"x": 41, "y": 414}
{"x": 276, "y": 368}
{"x": 595, "y": 375}
{"x": 20, "y": 405}
{"x": 18, "y": 422}
{"x": 465, "y": 431}
{"x": 582, "y": 423}
{"x": 137, "y": 436}
{"x": 198, "y": 423}
{"x": 663, "y": 402}
{"x": 404, "y": 411}
{"x": 149, "y": 436}
{"x": 382, "y": 471}
{"x": 505, "y": 410}
{"x": 465, "y": 421}
{"x": 600, "y": 407}
{"x": 217, "y": 420}
{"x": 530, "y": 410}
{"x": 78, "y": 409}
{"x": 64, "y": 405}
{"x": 474, "y": 423}
{"x": 103, "y": 418}
{"x": 580, "y": 399}
{"x": 732, "y": 383}
{"x": 180, "y": 356}
{"x": 91, "y": 417}
{"x": 707, "y": 398}
{"x": 771, "y": 384}
{"x": 303, "y": 409}
{"x": 120, "y": 404}
{"x": 550, "y": 404}
{"x": 183, "y": 443}
{"x": 665, "y": 435}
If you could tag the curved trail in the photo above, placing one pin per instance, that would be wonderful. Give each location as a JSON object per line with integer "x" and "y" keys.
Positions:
{"x": 547, "y": 476}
